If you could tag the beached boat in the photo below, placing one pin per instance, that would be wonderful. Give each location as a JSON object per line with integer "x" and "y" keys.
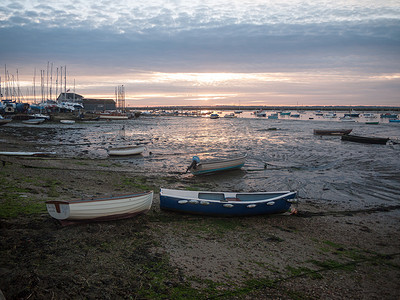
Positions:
{"x": 365, "y": 139}
{"x": 34, "y": 121}
{"x": 226, "y": 203}
{"x": 332, "y": 131}
{"x": 25, "y": 153}
{"x": 198, "y": 167}
{"x": 113, "y": 116}
{"x": 347, "y": 119}
{"x": 126, "y": 150}
{"x": 372, "y": 122}
{"x": 231, "y": 115}
{"x": 67, "y": 121}
{"x": 4, "y": 121}
{"x": 394, "y": 121}
{"x": 101, "y": 209}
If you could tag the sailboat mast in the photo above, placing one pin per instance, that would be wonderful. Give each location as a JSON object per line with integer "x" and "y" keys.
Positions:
{"x": 34, "y": 86}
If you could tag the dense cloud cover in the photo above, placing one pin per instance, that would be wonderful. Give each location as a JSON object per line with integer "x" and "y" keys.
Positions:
{"x": 361, "y": 38}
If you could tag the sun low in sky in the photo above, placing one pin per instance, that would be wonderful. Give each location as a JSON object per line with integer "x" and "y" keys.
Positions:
{"x": 293, "y": 52}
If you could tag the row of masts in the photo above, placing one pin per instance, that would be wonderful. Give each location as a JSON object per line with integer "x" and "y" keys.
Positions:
{"x": 120, "y": 98}
{"x": 10, "y": 87}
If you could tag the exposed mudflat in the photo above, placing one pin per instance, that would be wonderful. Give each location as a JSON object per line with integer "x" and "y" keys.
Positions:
{"x": 344, "y": 242}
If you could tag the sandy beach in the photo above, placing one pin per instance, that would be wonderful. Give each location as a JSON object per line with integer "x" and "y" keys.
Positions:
{"x": 320, "y": 253}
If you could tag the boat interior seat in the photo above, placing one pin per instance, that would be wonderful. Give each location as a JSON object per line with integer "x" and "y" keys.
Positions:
{"x": 212, "y": 196}
{"x": 252, "y": 197}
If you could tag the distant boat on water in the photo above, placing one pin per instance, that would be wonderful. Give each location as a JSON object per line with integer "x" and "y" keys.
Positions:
{"x": 365, "y": 139}
{"x": 214, "y": 116}
{"x": 332, "y": 131}
{"x": 389, "y": 115}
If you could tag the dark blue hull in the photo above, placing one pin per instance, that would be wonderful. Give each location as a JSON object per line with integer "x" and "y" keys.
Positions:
{"x": 223, "y": 208}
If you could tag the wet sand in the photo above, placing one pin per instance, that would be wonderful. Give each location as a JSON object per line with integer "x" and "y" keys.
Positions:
{"x": 324, "y": 252}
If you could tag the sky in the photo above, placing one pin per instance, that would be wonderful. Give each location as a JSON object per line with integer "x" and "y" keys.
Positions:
{"x": 208, "y": 52}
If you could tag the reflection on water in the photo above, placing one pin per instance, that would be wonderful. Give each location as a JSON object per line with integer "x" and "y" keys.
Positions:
{"x": 282, "y": 154}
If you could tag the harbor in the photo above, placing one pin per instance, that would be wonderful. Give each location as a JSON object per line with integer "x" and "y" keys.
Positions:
{"x": 341, "y": 234}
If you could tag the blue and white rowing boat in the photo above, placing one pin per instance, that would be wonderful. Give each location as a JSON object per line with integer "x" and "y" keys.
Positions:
{"x": 198, "y": 167}
{"x": 226, "y": 203}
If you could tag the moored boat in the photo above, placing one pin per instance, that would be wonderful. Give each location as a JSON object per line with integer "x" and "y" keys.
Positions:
{"x": 4, "y": 121}
{"x": 332, "y": 131}
{"x": 34, "y": 121}
{"x": 198, "y": 167}
{"x": 226, "y": 203}
{"x": 101, "y": 209}
{"x": 67, "y": 122}
{"x": 394, "y": 121}
{"x": 389, "y": 115}
{"x": 126, "y": 150}
{"x": 365, "y": 139}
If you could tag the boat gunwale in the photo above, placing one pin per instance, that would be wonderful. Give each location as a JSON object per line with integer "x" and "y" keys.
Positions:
{"x": 112, "y": 198}
{"x": 242, "y": 202}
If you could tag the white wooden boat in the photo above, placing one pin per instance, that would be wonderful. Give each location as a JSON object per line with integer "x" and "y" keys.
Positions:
{"x": 113, "y": 116}
{"x": 34, "y": 121}
{"x": 102, "y": 209}
{"x": 67, "y": 121}
{"x": 126, "y": 150}
{"x": 198, "y": 167}
{"x": 226, "y": 203}
{"x": 25, "y": 153}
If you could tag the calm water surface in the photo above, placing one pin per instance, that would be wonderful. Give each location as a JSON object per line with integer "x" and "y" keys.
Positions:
{"x": 324, "y": 169}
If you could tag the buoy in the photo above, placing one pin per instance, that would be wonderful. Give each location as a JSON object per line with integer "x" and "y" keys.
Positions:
{"x": 183, "y": 201}
{"x": 271, "y": 203}
{"x": 228, "y": 205}
{"x": 204, "y": 203}
{"x": 194, "y": 202}
{"x": 251, "y": 205}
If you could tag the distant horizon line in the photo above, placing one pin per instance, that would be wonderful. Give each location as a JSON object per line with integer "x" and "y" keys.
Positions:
{"x": 269, "y": 107}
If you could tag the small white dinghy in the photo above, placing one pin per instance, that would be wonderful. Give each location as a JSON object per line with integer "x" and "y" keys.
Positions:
{"x": 102, "y": 209}
{"x": 126, "y": 150}
{"x": 34, "y": 121}
{"x": 67, "y": 121}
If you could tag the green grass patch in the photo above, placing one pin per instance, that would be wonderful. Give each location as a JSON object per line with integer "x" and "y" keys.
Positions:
{"x": 138, "y": 183}
{"x": 13, "y": 205}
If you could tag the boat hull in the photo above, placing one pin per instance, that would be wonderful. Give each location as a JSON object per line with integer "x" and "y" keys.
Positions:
{"x": 225, "y": 203}
{"x": 218, "y": 166}
{"x": 103, "y": 209}
{"x": 125, "y": 151}
{"x": 332, "y": 131}
{"x": 364, "y": 140}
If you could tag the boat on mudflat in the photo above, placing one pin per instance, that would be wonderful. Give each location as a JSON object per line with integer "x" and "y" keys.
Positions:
{"x": 198, "y": 167}
{"x": 126, "y": 150}
{"x": 226, "y": 203}
{"x": 4, "y": 121}
{"x": 34, "y": 121}
{"x": 332, "y": 131}
{"x": 365, "y": 139}
{"x": 102, "y": 209}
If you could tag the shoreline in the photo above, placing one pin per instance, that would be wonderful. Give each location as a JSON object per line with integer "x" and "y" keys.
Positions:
{"x": 323, "y": 252}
